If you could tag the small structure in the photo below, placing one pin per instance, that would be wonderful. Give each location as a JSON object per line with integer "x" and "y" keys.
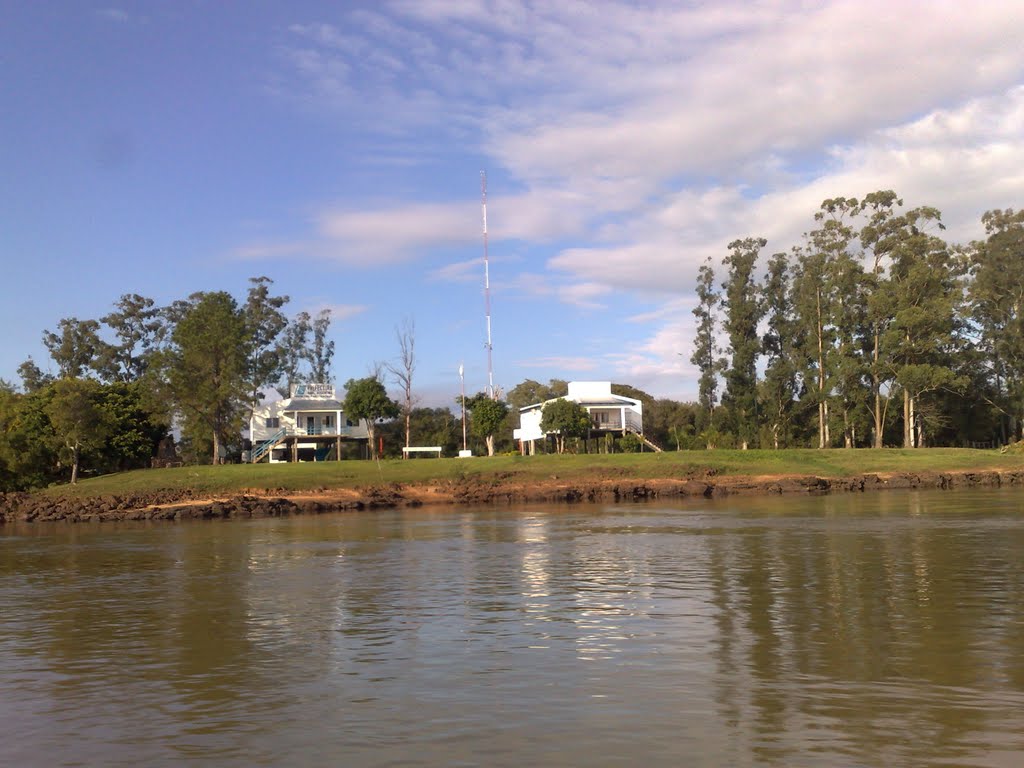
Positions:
{"x": 609, "y": 414}
{"x": 166, "y": 454}
{"x": 308, "y": 426}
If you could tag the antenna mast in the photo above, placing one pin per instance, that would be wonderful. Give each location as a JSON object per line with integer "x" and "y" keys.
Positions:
{"x": 487, "y": 287}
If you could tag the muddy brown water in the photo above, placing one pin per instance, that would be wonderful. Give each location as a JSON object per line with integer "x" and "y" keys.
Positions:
{"x": 857, "y": 630}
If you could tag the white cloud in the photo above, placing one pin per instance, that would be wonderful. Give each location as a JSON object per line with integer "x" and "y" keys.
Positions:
{"x": 776, "y": 80}
{"x": 661, "y": 117}
{"x": 338, "y": 312}
{"x": 460, "y": 271}
{"x": 558, "y": 363}
{"x": 388, "y": 235}
{"x": 373, "y": 237}
{"x": 645, "y": 137}
{"x": 113, "y": 14}
{"x": 584, "y": 295}
{"x": 961, "y": 160}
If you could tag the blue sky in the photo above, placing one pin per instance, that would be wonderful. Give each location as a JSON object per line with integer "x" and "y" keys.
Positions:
{"x": 166, "y": 148}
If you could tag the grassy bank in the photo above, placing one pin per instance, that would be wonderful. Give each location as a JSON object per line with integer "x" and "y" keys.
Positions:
{"x": 296, "y": 478}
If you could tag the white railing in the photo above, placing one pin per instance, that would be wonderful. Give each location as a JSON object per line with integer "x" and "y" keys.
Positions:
{"x": 328, "y": 431}
{"x": 634, "y": 422}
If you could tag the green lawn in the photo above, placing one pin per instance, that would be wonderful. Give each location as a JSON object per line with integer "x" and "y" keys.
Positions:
{"x": 284, "y": 478}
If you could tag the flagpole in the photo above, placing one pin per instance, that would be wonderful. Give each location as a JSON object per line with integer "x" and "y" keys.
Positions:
{"x": 462, "y": 384}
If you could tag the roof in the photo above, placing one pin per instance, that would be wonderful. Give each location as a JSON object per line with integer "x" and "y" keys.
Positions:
{"x": 610, "y": 401}
{"x": 311, "y": 404}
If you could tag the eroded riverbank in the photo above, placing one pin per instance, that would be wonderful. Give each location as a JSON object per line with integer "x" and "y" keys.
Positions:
{"x": 504, "y": 488}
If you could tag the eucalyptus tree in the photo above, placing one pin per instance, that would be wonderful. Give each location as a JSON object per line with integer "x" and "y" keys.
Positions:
{"x": 138, "y": 326}
{"x": 320, "y": 353}
{"x": 878, "y": 237}
{"x": 926, "y": 292}
{"x": 848, "y": 316}
{"x": 997, "y": 309}
{"x": 825, "y": 298}
{"x": 778, "y": 345}
{"x": 264, "y": 324}
{"x": 744, "y": 309}
{"x": 706, "y": 353}
{"x": 294, "y": 343}
{"x": 33, "y": 378}
{"x": 812, "y": 307}
{"x": 75, "y": 346}
{"x": 304, "y": 344}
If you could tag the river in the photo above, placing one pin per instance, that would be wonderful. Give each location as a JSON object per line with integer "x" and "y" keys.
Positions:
{"x": 882, "y": 629}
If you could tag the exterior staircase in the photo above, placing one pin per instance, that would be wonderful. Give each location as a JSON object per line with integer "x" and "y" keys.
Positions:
{"x": 267, "y": 446}
{"x": 633, "y": 430}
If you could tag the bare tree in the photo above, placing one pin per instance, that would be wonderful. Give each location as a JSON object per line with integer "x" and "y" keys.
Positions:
{"x": 403, "y": 370}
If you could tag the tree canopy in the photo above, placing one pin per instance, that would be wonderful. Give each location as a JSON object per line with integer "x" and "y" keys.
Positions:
{"x": 488, "y": 416}
{"x": 367, "y": 398}
{"x": 565, "y": 418}
{"x": 206, "y": 368}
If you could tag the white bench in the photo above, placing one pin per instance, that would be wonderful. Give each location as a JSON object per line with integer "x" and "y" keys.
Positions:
{"x": 435, "y": 449}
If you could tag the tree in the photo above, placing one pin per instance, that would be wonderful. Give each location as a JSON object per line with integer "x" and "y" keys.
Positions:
{"x": 32, "y": 377}
{"x": 304, "y": 340}
{"x": 531, "y": 392}
{"x": 630, "y": 444}
{"x": 926, "y": 292}
{"x": 367, "y": 399}
{"x": 669, "y": 422}
{"x": 75, "y": 347}
{"x": 264, "y": 323}
{"x": 294, "y": 344}
{"x": 135, "y": 429}
{"x": 744, "y": 310}
{"x": 138, "y": 326}
{"x": 28, "y": 456}
{"x": 848, "y": 316}
{"x": 997, "y": 311}
{"x": 404, "y": 370}
{"x": 437, "y": 426}
{"x": 565, "y": 418}
{"x": 878, "y": 237}
{"x": 779, "y": 387}
{"x": 705, "y": 353}
{"x": 79, "y": 420}
{"x": 627, "y": 390}
{"x": 488, "y": 415}
{"x": 321, "y": 353}
{"x": 206, "y": 368}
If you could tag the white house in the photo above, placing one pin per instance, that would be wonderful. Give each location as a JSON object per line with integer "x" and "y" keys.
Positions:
{"x": 609, "y": 413}
{"x": 305, "y": 427}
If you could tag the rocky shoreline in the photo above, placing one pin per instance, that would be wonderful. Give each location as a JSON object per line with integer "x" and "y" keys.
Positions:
{"x": 500, "y": 489}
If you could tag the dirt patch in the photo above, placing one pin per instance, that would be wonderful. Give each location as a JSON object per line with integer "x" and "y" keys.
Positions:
{"x": 503, "y": 488}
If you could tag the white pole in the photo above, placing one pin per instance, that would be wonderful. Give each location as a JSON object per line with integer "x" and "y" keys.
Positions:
{"x": 462, "y": 384}
{"x": 487, "y": 286}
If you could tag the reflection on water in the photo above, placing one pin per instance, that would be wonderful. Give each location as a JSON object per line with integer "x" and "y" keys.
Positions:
{"x": 884, "y": 629}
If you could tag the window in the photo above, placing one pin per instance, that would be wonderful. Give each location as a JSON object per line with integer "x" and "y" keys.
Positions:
{"x": 328, "y": 421}
{"x": 274, "y": 423}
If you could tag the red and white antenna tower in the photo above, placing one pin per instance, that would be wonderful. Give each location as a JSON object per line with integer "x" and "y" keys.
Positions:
{"x": 487, "y": 287}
